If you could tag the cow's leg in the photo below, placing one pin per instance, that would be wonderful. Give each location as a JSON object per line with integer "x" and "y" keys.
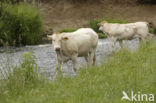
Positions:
{"x": 74, "y": 61}
{"x": 58, "y": 66}
{"x": 87, "y": 60}
{"x": 94, "y": 58}
{"x": 114, "y": 41}
{"x": 113, "y": 46}
{"x": 121, "y": 43}
{"x": 58, "y": 69}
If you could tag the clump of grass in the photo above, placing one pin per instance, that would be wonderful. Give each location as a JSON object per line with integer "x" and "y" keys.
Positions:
{"x": 151, "y": 30}
{"x": 68, "y": 30}
{"x": 20, "y": 24}
{"x": 124, "y": 71}
{"x": 22, "y": 77}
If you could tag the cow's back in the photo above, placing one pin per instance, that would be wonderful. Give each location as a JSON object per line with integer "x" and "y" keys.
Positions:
{"x": 127, "y": 30}
{"x": 81, "y": 41}
{"x": 85, "y": 35}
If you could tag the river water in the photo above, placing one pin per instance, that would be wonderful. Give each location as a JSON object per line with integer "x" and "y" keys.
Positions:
{"x": 46, "y": 57}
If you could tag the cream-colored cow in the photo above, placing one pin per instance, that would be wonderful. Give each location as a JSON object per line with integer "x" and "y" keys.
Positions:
{"x": 119, "y": 32}
{"x": 69, "y": 46}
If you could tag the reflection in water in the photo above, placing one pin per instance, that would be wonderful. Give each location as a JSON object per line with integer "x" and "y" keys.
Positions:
{"x": 46, "y": 59}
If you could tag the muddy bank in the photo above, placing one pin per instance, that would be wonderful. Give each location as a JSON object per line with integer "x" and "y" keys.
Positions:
{"x": 68, "y": 15}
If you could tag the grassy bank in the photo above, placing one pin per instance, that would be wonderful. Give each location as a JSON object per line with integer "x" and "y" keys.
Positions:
{"x": 125, "y": 70}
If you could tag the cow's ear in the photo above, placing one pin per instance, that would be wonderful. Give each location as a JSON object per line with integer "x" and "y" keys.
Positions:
{"x": 101, "y": 23}
{"x": 65, "y": 38}
{"x": 49, "y": 37}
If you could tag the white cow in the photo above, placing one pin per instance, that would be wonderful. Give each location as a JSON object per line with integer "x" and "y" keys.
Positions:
{"x": 69, "y": 46}
{"x": 119, "y": 32}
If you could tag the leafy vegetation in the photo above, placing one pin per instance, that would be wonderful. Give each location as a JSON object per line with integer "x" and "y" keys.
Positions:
{"x": 151, "y": 30}
{"x": 20, "y": 24}
{"x": 68, "y": 30}
{"x": 94, "y": 26}
{"x": 125, "y": 70}
{"x": 101, "y": 35}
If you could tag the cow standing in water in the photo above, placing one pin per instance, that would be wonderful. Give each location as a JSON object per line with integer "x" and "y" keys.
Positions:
{"x": 69, "y": 46}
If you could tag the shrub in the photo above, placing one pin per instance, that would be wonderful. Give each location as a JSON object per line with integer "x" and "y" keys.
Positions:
{"x": 20, "y": 24}
{"x": 68, "y": 30}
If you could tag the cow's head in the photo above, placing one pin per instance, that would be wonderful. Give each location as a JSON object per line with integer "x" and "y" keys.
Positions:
{"x": 56, "y": 40}
{"x": 101, "y": 24}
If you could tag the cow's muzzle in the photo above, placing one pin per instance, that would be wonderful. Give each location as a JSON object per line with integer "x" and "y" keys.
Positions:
{"x": 57, "y": 49}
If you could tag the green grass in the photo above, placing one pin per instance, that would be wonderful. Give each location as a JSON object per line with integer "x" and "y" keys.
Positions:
{"x": 102, "y": 35}
{"x": 124, "y": 70}
{"x": 68, "y": 30}
{"x": 151, "y": 30}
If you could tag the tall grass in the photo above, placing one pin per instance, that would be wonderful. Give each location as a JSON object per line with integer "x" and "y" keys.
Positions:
{"x": 124, "y": 71}
{"x": 20, "y": 78}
